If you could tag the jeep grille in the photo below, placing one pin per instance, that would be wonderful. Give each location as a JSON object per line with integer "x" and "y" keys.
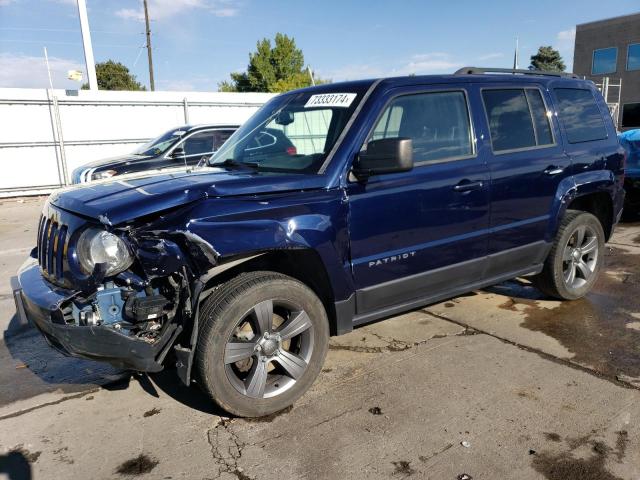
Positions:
{"x": 52, "y": 246}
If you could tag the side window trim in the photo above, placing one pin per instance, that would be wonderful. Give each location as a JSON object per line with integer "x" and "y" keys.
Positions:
{"x": 546, "y": 106}
{"x": 408, "y": 93}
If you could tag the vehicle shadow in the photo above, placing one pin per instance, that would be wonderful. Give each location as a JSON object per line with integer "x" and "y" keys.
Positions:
{"x": 15, "y": 466}
{"x": 169, "y": 383}
{"x": 32, "y": 367}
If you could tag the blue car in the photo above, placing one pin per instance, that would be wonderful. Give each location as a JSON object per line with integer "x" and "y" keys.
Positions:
{"x": 332, "y": 207}
{"x": 630, "y": 140}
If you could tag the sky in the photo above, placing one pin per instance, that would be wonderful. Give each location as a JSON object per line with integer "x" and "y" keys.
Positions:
{"x": 197, "y": 43}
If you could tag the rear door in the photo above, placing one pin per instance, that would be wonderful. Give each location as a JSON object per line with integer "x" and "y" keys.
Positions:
{"x": 417, "y": 234}
{"x": 527, "y": 163}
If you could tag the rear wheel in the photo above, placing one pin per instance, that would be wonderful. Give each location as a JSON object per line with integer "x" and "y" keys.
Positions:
{"x": 575, "y": 259}
{"x": 262, "y": 343}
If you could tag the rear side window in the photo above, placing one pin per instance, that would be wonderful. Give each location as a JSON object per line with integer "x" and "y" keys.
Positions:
{"x": 437, "y": 123}
{"x": 517, "y": 119}
{"x": 580, "y": 115}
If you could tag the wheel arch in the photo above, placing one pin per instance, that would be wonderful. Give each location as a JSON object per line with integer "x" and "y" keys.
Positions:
{"x": 591, "y": 192}
{"x": 303, "y": 264}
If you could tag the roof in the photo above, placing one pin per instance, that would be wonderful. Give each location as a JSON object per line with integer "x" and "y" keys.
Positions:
{"x": 200, "y": 126}
{"x": 634, "y": 17}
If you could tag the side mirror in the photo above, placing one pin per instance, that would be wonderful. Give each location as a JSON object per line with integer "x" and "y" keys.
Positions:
{"x": 178, "y": 153}
{"x": 387, "y": 155}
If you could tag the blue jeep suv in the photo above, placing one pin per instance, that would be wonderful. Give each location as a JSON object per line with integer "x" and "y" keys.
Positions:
{"x": 333, "y": 206}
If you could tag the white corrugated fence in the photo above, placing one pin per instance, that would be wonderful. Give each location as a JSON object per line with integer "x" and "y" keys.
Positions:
{"x": 45, "y": 134}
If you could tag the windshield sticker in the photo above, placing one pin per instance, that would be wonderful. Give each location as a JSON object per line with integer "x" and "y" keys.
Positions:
{"x": 178, "y": 133}
{"x": 342, "y": 100}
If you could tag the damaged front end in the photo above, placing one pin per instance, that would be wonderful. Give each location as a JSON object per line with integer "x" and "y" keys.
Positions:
{"x": 123, "y": 294}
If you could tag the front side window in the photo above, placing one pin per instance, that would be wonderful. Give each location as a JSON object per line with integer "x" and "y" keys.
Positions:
{"x": 219, "y": 137}
{"x": 580, "y": 115}
{"x": 292, "y": 133}
{"x": 604, "y": 61}
{"x": 437, "y": 123}
{"x": 517, "y": 119}
{"x": 198, "y": 144}
{"x": 633, "y": 57}
{"x": 161, "y": 144}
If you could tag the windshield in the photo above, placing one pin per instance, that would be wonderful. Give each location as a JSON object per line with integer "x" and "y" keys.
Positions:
{"x": 161, "y": 144}
{"x": 292, "y": 133}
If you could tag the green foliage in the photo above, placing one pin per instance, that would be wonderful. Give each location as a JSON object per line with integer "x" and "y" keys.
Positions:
{"x": 115, "y": 76}
{"x": 547, "y": 59}
{"x": 271, "y": 69}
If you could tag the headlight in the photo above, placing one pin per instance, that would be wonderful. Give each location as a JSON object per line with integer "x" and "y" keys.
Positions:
{"x": 99, "y": 246}
{"x": 102, "y": 175}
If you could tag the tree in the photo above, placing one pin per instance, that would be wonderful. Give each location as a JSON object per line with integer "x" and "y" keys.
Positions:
{"x": 547, "y": 59}
{"x": 115, "y": 76}
{"x": 271, "y": 69}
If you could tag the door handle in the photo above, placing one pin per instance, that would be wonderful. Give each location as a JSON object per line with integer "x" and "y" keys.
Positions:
{"x": 466, "y": 186}
{"x": 553, "y": 170}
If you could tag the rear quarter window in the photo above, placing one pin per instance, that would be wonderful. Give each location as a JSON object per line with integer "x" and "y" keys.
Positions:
{"x": 580, "y": 115}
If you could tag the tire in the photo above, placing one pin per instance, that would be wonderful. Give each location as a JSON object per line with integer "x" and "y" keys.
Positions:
{"x": 573, "y": 251}
{"x": 244, "y": 371}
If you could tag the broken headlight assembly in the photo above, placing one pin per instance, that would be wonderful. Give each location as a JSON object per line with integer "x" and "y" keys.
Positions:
{"x": 97, "y": 246}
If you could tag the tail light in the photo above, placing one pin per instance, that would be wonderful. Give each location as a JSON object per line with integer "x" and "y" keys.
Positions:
{"x": 292, "y": 151}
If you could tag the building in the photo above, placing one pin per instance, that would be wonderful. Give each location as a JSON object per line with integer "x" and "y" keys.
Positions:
{"x": 608, "y": 52}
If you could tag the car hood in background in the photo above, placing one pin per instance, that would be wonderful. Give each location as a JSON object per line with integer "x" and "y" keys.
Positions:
{"x": 113, "y": 161}
{"x": 126, "y": 197}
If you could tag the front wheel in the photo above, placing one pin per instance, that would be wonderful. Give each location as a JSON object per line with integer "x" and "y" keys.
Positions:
{"x": 262, "y": 343}
{"x": 575, "y": 259}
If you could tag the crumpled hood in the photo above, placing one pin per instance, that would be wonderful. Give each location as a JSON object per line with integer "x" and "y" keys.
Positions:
{"x": 126, "y": 197}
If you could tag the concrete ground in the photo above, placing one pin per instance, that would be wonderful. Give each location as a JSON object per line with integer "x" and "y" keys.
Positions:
{"x": 496, "y": 384}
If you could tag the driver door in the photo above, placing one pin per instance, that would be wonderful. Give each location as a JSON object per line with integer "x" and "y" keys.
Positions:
{"x": 421, "y": 234}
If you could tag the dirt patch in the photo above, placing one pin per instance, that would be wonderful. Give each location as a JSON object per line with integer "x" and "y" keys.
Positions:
{"x": 621, "y": 444}
{"x": 566, "y": 465}
{"x": 402, "y": 467}
{"x": 594, "y": 329}
{"x": 512, "y": 304}
{"x": 152, "y": 412}
{"x": 552, "y": 437}
{"x": 137, "y": 466}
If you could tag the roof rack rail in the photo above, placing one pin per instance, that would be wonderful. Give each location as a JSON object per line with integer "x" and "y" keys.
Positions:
{"x": 480, "y": 70}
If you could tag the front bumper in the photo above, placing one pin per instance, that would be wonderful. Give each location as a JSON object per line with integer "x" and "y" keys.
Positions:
{"x": 41, "y": 303}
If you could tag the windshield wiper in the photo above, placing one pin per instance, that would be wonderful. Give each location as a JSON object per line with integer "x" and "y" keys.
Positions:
{"x": 232, "y": 164}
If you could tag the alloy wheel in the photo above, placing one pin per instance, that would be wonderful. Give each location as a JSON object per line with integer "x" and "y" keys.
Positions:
{"x": 580, "y": 257}
{"x": 269, "y": 349}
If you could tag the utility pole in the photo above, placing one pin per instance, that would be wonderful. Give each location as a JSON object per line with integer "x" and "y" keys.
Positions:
{"x": 515, "y": 55}
{"x": 146, "y": 21}
{"x": 86, "y": 43}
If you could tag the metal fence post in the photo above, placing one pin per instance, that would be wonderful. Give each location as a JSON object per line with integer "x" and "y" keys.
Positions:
{"x": 63, "y": 153}
{"x": 185, "y": 105}
{"x": 54, "y": 133}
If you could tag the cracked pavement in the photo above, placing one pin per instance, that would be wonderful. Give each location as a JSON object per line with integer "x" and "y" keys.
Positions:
{"x": 500, "y": 383}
